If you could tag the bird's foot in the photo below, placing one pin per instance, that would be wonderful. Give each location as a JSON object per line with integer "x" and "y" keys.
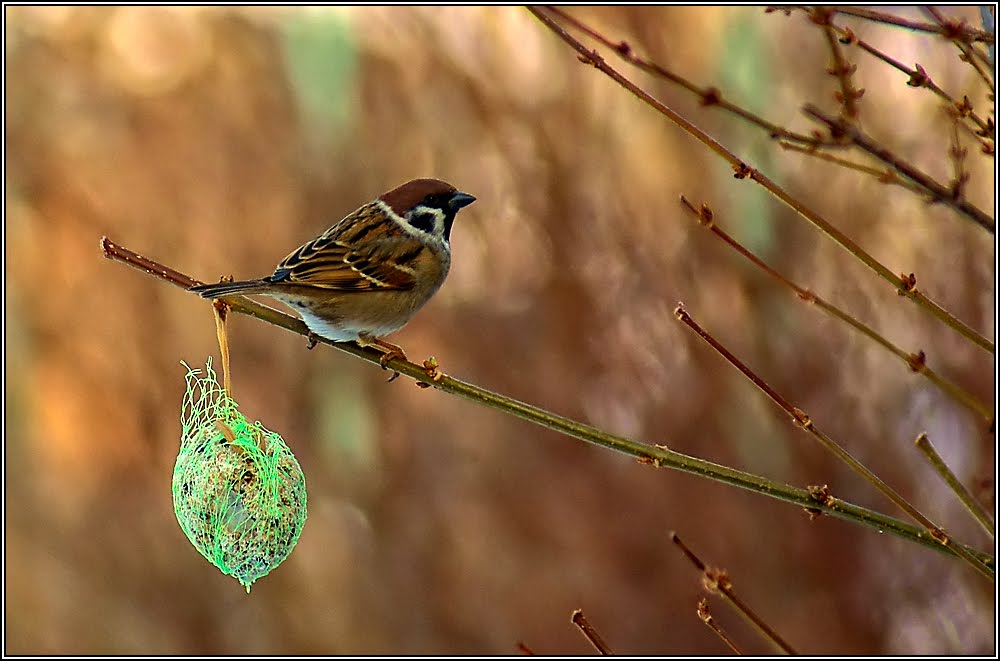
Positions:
{"x": 391, "y": 352}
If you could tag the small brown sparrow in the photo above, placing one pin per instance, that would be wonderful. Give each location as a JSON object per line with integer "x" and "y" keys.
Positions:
{"x": 367, "y": 276}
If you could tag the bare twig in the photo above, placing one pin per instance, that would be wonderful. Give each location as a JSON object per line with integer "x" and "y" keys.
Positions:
{"x": 710, "y": 96}
{"x": 918, "y": 77}
{"x": 841, "y": 69}
{"x": 706, "y": 616}
{"x": 801, "y": 419}
{"x": 966, "y": 32}
{"x": 590, "y": 633}
{"x": 937, "y": 191}
{"x": 957, "y": 154}
{"x": 906, "y": 286}
{"x": 717, "y": 580}
{"x": 887, "y": 176}
{"x": 915, "y": 362}
{"x": 971, "y": 504}
{"x": 954, "y": 31}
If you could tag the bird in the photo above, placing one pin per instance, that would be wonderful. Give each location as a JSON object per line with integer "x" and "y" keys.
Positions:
{"x": 370, "y": 273}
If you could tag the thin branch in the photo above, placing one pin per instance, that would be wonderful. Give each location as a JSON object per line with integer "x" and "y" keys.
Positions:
{"x": 801, "y": 419}
{"x": 593, "y": 58}
{"x": 918, "y": 77}
{"x": 710, "y": 96}
{"x": 952, "y": 31}
{"x": 971, "y": 504}
{"x": 841, "y": 69}
{"x": 986, "y": 145}
{"x": 590, "y": 633}
{"x": 654, "y": 455}
{"x": 915, "y": 362}
{"x": 966, "y": 32}
{"x": 717, "y": 580}
{"x": 905, "y": 286}
{"x": 706, "y": 616}
{"x": 957, "y": 153}
{"x": 937, "y": 191}
{"x": 887, "y": 176}
{"x": 983, "y": 58}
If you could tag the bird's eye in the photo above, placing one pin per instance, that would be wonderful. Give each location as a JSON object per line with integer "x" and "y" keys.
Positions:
{"x": 423, "y": 221}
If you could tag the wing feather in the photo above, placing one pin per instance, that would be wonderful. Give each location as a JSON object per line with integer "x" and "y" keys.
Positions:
{"x": 334, "y": 265}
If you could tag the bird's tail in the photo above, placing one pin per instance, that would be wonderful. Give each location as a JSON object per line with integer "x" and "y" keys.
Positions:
{"x": 227, "y": 288}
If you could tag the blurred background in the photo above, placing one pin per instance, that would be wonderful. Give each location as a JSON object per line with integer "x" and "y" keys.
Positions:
{"x": 216, "y": 140}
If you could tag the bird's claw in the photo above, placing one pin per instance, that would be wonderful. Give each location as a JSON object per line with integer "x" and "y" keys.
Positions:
{"x": 392, "y": 354}
{"x": 384, "y": 362}
{"x": 313, "y": 340}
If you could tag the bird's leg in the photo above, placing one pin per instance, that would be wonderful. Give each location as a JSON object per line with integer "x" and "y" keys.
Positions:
{"x": 313, "y": 340}
{"x": 392, "y": 351}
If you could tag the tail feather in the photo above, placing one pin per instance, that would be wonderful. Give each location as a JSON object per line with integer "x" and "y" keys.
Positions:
{"x": 227, "y": 288}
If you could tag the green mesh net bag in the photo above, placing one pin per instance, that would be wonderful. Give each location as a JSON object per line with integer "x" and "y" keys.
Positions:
{"x": 239, "y": 493}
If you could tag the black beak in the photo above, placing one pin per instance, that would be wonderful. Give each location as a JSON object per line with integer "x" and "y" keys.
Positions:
{"x": 459, "y": 200}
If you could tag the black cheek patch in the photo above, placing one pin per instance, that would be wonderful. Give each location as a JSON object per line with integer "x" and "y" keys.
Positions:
{"x": 423, "y": 222}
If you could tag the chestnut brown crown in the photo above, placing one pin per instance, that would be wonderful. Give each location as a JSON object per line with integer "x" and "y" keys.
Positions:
{"x": 404, "y": 197}
{"x": 427, "y": 205}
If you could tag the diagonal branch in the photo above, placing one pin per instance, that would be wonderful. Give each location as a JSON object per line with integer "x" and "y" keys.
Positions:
{"x": 916, "y": 362}
{"x": 710, "y": 96}
{"x": 658, "y": 456}
{"x": 918, "y": 77}
{"x": 951, "y": 30}
{"x": 964, "y": 32}
{"x": 802, "y": 419}
{"x": 939, "y": 192}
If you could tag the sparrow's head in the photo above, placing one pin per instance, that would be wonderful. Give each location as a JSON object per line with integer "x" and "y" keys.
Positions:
{"x": 427, "y": 206}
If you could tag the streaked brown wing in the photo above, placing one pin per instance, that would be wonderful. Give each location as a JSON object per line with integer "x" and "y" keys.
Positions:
{"x": 330, "y": 264}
